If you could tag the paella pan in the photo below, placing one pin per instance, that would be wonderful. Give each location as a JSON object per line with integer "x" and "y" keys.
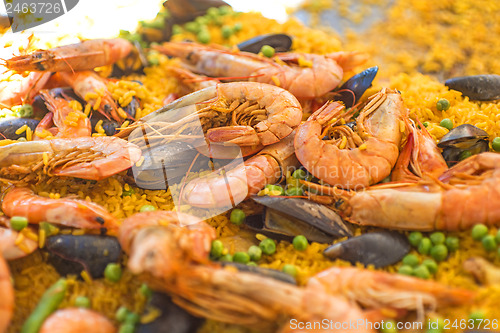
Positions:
{"x": 219, "y": 171}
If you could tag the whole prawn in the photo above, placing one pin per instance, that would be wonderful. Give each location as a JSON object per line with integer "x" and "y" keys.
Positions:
{"x": 77, "y": 320}
{"x": 7, "y": 299}
{"x": 75, "y": 57}
{"x": 353, "y": 158}
{"x": 175, "y": 260}
{"x": 317, "y": 75}
{"x": 429, "y": 204}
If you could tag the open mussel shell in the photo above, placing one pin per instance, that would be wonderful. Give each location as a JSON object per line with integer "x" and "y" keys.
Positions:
{"x": 280, "y": 43}
{"x": 477, "y": 87}
{"x": 380, "y": 249}
{"x": 285, "y": 218}
{"x": 173, "y": 319}
{"x": 71, "y": 254}
{"x": 352, "y": 90}
{"x": 9, "y": 126}
{"x": 461, "y": 139}
{"x": 134, "y": 62}
{"x": 265, "y": 272}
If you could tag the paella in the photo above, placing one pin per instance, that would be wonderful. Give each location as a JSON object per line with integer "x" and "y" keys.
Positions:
{"x": 220, "y": 171}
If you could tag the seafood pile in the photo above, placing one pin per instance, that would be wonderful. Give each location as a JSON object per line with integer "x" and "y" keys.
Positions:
{"x": 269, "y": 190}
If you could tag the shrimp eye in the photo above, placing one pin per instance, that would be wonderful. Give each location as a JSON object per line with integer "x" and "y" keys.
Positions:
{"x": 338, "y": 203}
{"x": 99, "y": 220}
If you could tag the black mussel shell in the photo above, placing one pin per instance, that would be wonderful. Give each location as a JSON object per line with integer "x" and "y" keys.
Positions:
{"x": 285, "y": 218}
{"x": 109, "y": 125}
{"x": 182, "y": 11}
{"x": 280, "y": 43}
{"x": 173, "y": 319}
{"x": 380, "y": 249}
{"x": 39, "y": 106}
{"x": 352, "y": 90}
{"x": 71, "y": 254}
{"x": 134, "y": 62}
{"x": 132, "y": 107}
{"x": 266, "y": 272}
{"x": 462, "y": 139}
{"x": 477, "y": 87}
{"x": 9, "y": 126}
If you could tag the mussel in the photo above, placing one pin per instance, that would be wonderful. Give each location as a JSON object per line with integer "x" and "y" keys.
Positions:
{"x": 71, "y": 254}
{"x": 280, "y": 43}
{"x": 285, "y": 218}
{"x": 265, "y": 272}
{"x": 66, "y": 92}
{"x": 380, "y": 248}
{"x": 352, "y": 90}
{"x": 463, "y": 141}
{"x": 9, "y": 126}
{"x": 173, "y": 319}
{"x": 477, "y": 87}
{"x": 134, "y": 62}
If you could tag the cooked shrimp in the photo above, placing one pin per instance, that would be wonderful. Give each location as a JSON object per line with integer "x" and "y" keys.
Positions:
{"x": 465, "y": 195}
{"x": 234, "y": 186}
{"x": 7, "y": 299}
{"x": 353, "y": 158}
{"x": 174, "y": 263}
{"x": 21, "y": 201}
{"x": 313, "y": 77}
{"x": 376, "y": 289}
{"x": 75, "y": 57}
{"x": 77, "y": 320}
{"x": 93, "y": 158}
{"x": 70, "y": 123}
{"x": 19, "y": 89}
{"x": 15, "y": 245}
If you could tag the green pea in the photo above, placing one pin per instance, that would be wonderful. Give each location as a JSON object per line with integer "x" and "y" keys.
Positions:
{"x": 147, "y": 208}
{"x": 425, "y": 246}
{"x": 26, "y": 111}
{"x": 495, "y": 144}
{"x": 439, "y": 252}
{"x": 128, "y": 193}
{"x": 202, "y": 20}
{"x": 267, "y": 51}
{"x": 405, "y": 270}
{"x": 389, "y": 327}
{"x": 437, "y": 238}
{"x": 443, "y": 104}
{"x": 132, "y": 318}
{"x": 145, "y": 290}
{"x": 290, "y": 270}
{"x": 415, "y": 238}
{"x": 226, "y": 31}
{"x": 213, "y": 11}
{"x": 237, "y": 27}
{"x": 226, "y": 257}
{"x": 237, "y": 216}
{"x": 176, "y": 29}
{"x": 204, "y": 36}
{"x": 127, "y": 328}
{"x": 113, "y": 272}
{"x": 267, "y": 246}
{"x": 422, "y": 272}
{"x": 18, "y": 223}
{"x": 489, "y": 243}
{"x": 251, "y": 263}
{"x": 275, "y": 189}
{"x": 192, "y": 27}
{"x": 299, "y": 174}
{"x": 452, "y": 242}
{"x": 464, "y": 155}
{"x": 217, "y": 249}
{"x": 121, "y": 313}
{"x": 255, "y": 252}
{"x": 300, "y": 243}
{"x": 479, "y": 231}
{"x": 446, "y": 123}
{"x": 241, "y": 257}
{"x": 431, "y": 265}
{"x": 153, "y": 61}
{"x": 497, "y": 236}
{"x": 82, "y": 302}
{"x": 294, "y": 191}
{"x": 426, "y": 124}
{"x": 411, "y": 260}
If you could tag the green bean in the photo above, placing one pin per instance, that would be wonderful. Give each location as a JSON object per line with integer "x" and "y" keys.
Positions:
{"x": 49, "y": 303}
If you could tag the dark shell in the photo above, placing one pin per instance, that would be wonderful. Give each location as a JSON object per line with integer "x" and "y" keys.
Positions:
{"x": 477, "y": 87}
{"x": 9, "y": 126}
{"x": 109, "y": 125}
{"x": 182, "y": 11}
{"x": 71, "y": 254}
{"x": 173, "y": 319}
{"x": 134, "y": 62}
{"x": 66, "y": 92}
{"x": 285, "y": 218}
{"x": 381, "y": 248}
{"x": 280, "y": 43}
{"x": 463, "y": 138}
{"x": 132, "y": 107}
{"x": 266, "y": 272}
{"x": 352, "y": 90}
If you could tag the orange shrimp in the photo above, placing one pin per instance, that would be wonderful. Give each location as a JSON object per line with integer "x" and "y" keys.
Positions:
{"x": 7, "y": 299}
{"x": 77, "y": 320}
{"x": 70, "y": 123}
{"x": 173, "y": 262}
{"x": 21, "y": 201}
{"x": 353, "y": 158}
{"x": 75, "y": 57}
{"x": 14, "y": 245}
{"x": 315, "y": 75}
{"x": 93, "y": 158}
{"x": 19, "y": 89}
{"x": 464, "y": 195}
{"x": 376, "y": 289}
{"x": 235, "y": 185}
